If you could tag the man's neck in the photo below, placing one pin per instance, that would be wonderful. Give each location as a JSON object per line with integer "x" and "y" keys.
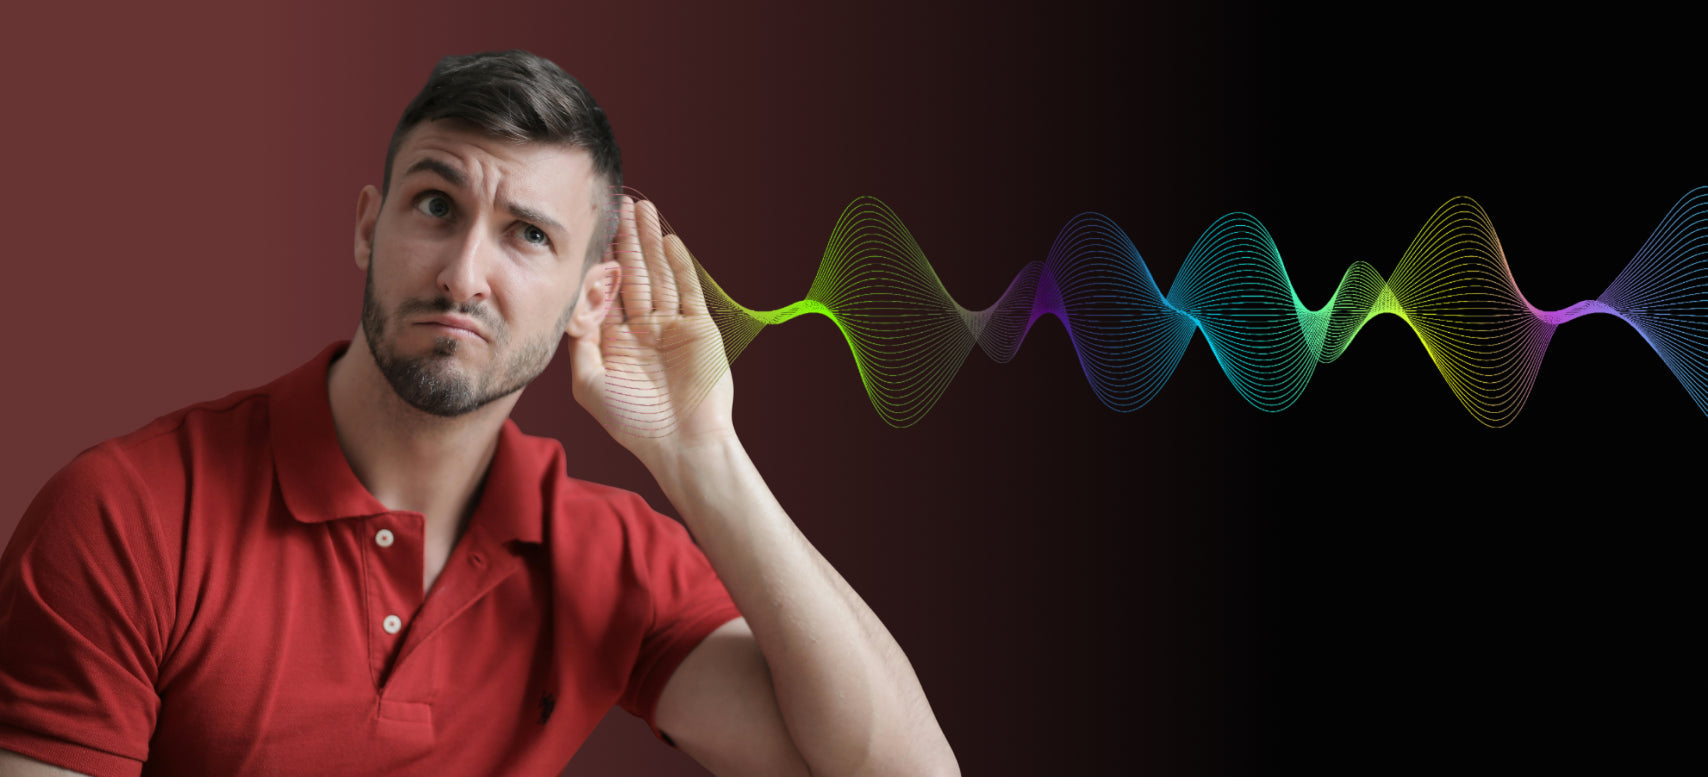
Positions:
{"x": 410, "y": 460}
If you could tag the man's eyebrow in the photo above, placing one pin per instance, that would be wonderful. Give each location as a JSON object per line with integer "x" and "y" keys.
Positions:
{"x": 443, "y": 170}
{"x": 534, "y": 217}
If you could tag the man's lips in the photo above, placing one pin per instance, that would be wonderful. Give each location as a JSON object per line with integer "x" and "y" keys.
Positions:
{"x": 457, "y": 326}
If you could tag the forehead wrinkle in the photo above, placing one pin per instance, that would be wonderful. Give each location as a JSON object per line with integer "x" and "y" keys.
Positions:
{"x": 464, "y": 171}
{"x": 430, "y": 165}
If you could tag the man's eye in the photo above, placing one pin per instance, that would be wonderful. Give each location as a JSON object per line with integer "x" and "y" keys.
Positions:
{"x": 534, "y": 235}
{"x": 434, "y": 205}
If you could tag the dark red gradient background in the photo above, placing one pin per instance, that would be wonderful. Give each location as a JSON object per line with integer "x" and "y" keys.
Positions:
{"x": 1369, "y": 582}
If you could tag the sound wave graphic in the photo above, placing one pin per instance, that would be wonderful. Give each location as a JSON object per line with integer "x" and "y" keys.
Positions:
{"x": 1452, "y": 286}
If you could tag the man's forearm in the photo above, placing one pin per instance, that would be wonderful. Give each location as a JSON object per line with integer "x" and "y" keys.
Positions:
{"x": 848, "y": 695}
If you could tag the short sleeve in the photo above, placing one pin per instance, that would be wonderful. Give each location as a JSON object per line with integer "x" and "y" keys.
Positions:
{"x": 84, "y": 614}
{"x": 688, "y": 603}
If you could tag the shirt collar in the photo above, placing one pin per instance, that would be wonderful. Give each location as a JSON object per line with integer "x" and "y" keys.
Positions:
{"x": 318, "y": 484}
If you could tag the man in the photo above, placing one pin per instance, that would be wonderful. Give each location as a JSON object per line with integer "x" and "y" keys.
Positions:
{"x": 365, "y": 568}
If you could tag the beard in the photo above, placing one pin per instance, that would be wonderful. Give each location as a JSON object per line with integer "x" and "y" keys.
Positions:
{"x": 434, "y": 382}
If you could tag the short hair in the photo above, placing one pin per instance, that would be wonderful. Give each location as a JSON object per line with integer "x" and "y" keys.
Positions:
{"x": 519, "y": 96}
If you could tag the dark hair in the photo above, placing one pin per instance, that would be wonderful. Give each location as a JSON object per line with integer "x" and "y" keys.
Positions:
{"x": 517, "y": 96}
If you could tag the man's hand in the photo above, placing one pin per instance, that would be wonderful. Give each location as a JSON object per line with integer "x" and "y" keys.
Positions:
{"x": 655, "y": 373}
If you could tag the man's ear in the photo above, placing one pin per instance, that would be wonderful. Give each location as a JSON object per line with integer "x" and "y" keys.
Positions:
{"x": 598, "y": 290}
{"x": 367, "y": 214}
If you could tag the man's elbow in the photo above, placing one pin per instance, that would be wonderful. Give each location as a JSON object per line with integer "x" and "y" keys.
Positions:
{"x": 935, "y": 760}
{"x": 944, "y": 764}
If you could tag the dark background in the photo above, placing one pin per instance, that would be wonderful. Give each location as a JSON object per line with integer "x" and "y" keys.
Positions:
{"x": 1369, "y": 581}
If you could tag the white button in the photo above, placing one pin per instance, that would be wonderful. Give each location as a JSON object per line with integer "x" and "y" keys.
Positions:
{"x": 392, "y": 624}
{"x": 384, "y": 538}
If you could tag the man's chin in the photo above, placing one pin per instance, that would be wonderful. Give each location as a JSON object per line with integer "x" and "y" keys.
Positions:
{"x": 433, "y": 384}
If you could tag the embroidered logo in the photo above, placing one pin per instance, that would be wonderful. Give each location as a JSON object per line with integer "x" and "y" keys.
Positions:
{"x": 548, "y": 702}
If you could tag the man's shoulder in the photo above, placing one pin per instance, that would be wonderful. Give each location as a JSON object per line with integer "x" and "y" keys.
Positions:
{"x": 150, "y": 470}
{"x": 228, "y": 431}
{"x": 211, "y": 433}
{"x": 139, "y": 481}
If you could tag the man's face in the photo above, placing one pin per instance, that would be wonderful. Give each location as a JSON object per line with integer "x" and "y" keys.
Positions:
{"x": 475, "y": 263}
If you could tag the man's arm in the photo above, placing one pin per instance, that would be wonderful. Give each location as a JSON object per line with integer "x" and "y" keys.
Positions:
{"x": 808, "y": 679}
{"x": 14, "y": 765}
{"x": 720, "y": 708}
{"x": 839, "y": 688}
{"x": 85, "y": 613}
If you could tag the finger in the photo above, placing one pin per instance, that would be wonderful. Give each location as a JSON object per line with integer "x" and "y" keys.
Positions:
{"x": 613, "y": 312}
{"x": 636, "y": 302}
{"x": 661, "y": 287}
{"x": 673, "y": 290}
{"x": 687, "y": 276}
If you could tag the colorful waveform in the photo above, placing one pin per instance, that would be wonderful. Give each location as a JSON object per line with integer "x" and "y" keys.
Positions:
{"x": 1452, "y": 286}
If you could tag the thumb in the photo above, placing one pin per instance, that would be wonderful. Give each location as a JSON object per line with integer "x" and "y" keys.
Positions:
{"x": 587, "y": 365}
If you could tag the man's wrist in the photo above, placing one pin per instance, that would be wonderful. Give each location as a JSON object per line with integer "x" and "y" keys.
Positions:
{"x": 677, "y": 464}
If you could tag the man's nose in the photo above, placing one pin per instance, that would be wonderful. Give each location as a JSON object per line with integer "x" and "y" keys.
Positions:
{"x": 464, "y": 275}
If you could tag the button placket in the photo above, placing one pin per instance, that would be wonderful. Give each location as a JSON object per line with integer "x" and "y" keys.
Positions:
{"x": 392, "y": 544}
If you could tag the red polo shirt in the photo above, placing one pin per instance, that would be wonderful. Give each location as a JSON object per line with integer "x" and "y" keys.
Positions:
{"x": 216, "y": 593}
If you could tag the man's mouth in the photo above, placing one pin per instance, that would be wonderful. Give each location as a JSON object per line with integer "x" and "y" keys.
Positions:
{"x": 454, "y": 326}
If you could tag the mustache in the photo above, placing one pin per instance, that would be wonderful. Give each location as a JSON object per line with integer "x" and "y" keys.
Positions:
{"x": 444, "y": 305}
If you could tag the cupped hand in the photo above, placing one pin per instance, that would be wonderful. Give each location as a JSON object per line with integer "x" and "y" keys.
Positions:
{"x": 655, "y": 373}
